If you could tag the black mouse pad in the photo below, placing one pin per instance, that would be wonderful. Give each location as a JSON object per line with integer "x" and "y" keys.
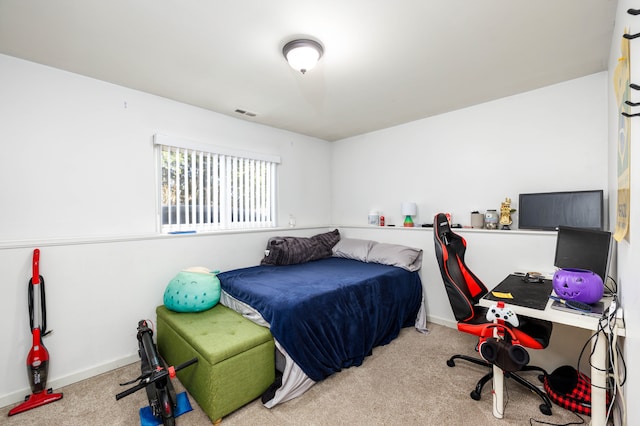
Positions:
{"x": 529, "y": 295}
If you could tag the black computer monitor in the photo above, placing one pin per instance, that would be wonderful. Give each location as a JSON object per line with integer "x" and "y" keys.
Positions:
{"x": 583, "y": 249}
{"x": 549, "y": 210}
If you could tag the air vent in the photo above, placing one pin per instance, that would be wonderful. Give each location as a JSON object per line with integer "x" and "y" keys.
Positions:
{"x": 247, "y": 113}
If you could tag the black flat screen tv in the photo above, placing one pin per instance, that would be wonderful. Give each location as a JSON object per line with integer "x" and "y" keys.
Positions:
{"x": 550, "y": 210}
{"x": 583, "y": 249}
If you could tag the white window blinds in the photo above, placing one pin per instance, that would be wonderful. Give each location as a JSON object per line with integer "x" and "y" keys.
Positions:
{"x": 204, "y": 188}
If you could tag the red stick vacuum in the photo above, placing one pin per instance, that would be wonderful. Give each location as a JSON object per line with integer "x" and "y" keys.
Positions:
{"x": 38, "y": 357}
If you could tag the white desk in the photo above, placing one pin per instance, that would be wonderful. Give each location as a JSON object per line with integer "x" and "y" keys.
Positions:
{"x": 599, "y": 359}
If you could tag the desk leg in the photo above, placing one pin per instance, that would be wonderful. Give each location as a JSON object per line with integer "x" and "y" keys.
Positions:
{"x": 599, "y": 381}
{"x": 498, "y": 392}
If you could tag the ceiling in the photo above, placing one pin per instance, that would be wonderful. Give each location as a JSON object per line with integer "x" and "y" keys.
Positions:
{"x": 385, "y": 63}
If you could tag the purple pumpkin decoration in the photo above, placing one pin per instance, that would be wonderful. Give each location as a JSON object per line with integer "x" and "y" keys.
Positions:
{"x": 578, "y": 284}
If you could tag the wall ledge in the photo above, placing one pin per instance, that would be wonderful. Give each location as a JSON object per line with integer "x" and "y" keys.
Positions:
{"x": 456, "y": 230}
{"x": 71, "y": 241}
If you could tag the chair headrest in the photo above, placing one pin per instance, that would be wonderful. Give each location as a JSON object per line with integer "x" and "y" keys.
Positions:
{"x": 441, "y": 227}
{"x": 441, "y": 222}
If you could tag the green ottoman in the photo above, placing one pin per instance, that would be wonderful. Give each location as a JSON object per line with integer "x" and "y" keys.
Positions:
{"x": 236, "y": 358}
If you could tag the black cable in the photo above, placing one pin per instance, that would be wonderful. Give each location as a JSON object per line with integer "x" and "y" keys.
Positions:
{"x": 43, "y": 302}
{"x": 614, "y": 371}
{"x": 596, "y": 336}
{"x": 505, "y": 396}
{"x": 30, "y": 301}
{"x": 608, "y": 332}
{"x": 610, "y": 291}
{"x": 581, "y": 422}
{"x": 624, "y": 365}
{"x": 43, "y": 306}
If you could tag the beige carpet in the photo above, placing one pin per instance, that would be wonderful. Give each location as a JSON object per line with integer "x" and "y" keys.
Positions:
{"x": 404, "y": 383}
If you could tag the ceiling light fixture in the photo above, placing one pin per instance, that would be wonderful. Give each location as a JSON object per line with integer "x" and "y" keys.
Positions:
{"x": 302, "y": 54}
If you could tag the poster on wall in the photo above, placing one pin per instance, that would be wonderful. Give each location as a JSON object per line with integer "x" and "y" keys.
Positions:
{"x": 621, "y": 89}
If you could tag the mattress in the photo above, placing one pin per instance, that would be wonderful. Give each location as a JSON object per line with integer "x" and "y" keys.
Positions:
{"x": 325, "y": 315}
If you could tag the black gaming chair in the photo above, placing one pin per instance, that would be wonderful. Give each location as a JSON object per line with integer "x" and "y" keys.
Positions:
{"x": 464, "y": 290}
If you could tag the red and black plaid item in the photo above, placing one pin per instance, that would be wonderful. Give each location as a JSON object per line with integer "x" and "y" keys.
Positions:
{"x": 570, "y": 389}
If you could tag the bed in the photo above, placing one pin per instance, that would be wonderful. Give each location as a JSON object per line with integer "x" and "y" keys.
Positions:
{"x": 327, "y": 313}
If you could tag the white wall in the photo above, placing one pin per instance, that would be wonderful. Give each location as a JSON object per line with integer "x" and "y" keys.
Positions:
{"x": 628, "y": 249}
{"x": 78, "y": 156}
{"x": 78, "y": 181}
{"x": 471, "y": 159}
{"x": 551, "y": 139}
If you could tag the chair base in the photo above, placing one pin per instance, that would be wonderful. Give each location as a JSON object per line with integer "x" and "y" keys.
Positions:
{"x": 545, "y": 407}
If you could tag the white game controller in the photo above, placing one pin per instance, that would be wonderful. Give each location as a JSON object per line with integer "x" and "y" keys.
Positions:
{"x": 502, "y": 313}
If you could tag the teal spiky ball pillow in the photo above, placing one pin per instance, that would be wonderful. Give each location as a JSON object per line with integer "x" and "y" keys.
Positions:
{"x": 192, "y": 290}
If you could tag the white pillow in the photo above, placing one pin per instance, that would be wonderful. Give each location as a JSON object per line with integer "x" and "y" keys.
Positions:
{"x": 353, "y": 248}
{"x": 396, "y": 255}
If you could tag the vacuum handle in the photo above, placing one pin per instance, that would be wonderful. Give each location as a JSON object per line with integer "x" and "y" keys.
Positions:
{"x": 36, "y": 297}
{"x": 35, "y": 279}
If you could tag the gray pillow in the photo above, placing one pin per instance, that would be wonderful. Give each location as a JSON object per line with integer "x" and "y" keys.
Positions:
{"x": 397, "y": 255}
{"x": 353, "y": 248}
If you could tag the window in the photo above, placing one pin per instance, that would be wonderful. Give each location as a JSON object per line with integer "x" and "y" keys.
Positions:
{"x": 204, "y": 188}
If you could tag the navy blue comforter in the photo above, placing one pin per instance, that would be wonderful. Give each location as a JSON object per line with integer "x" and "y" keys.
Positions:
{"x": 330, "y": 313}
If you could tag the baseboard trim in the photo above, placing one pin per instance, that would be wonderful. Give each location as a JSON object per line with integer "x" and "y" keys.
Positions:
{"x": 56, "y": 384}
{"x": 442, "y": 321}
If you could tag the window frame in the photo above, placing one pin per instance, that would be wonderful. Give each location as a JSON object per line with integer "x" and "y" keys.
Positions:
{"x": 227, "y": 200}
